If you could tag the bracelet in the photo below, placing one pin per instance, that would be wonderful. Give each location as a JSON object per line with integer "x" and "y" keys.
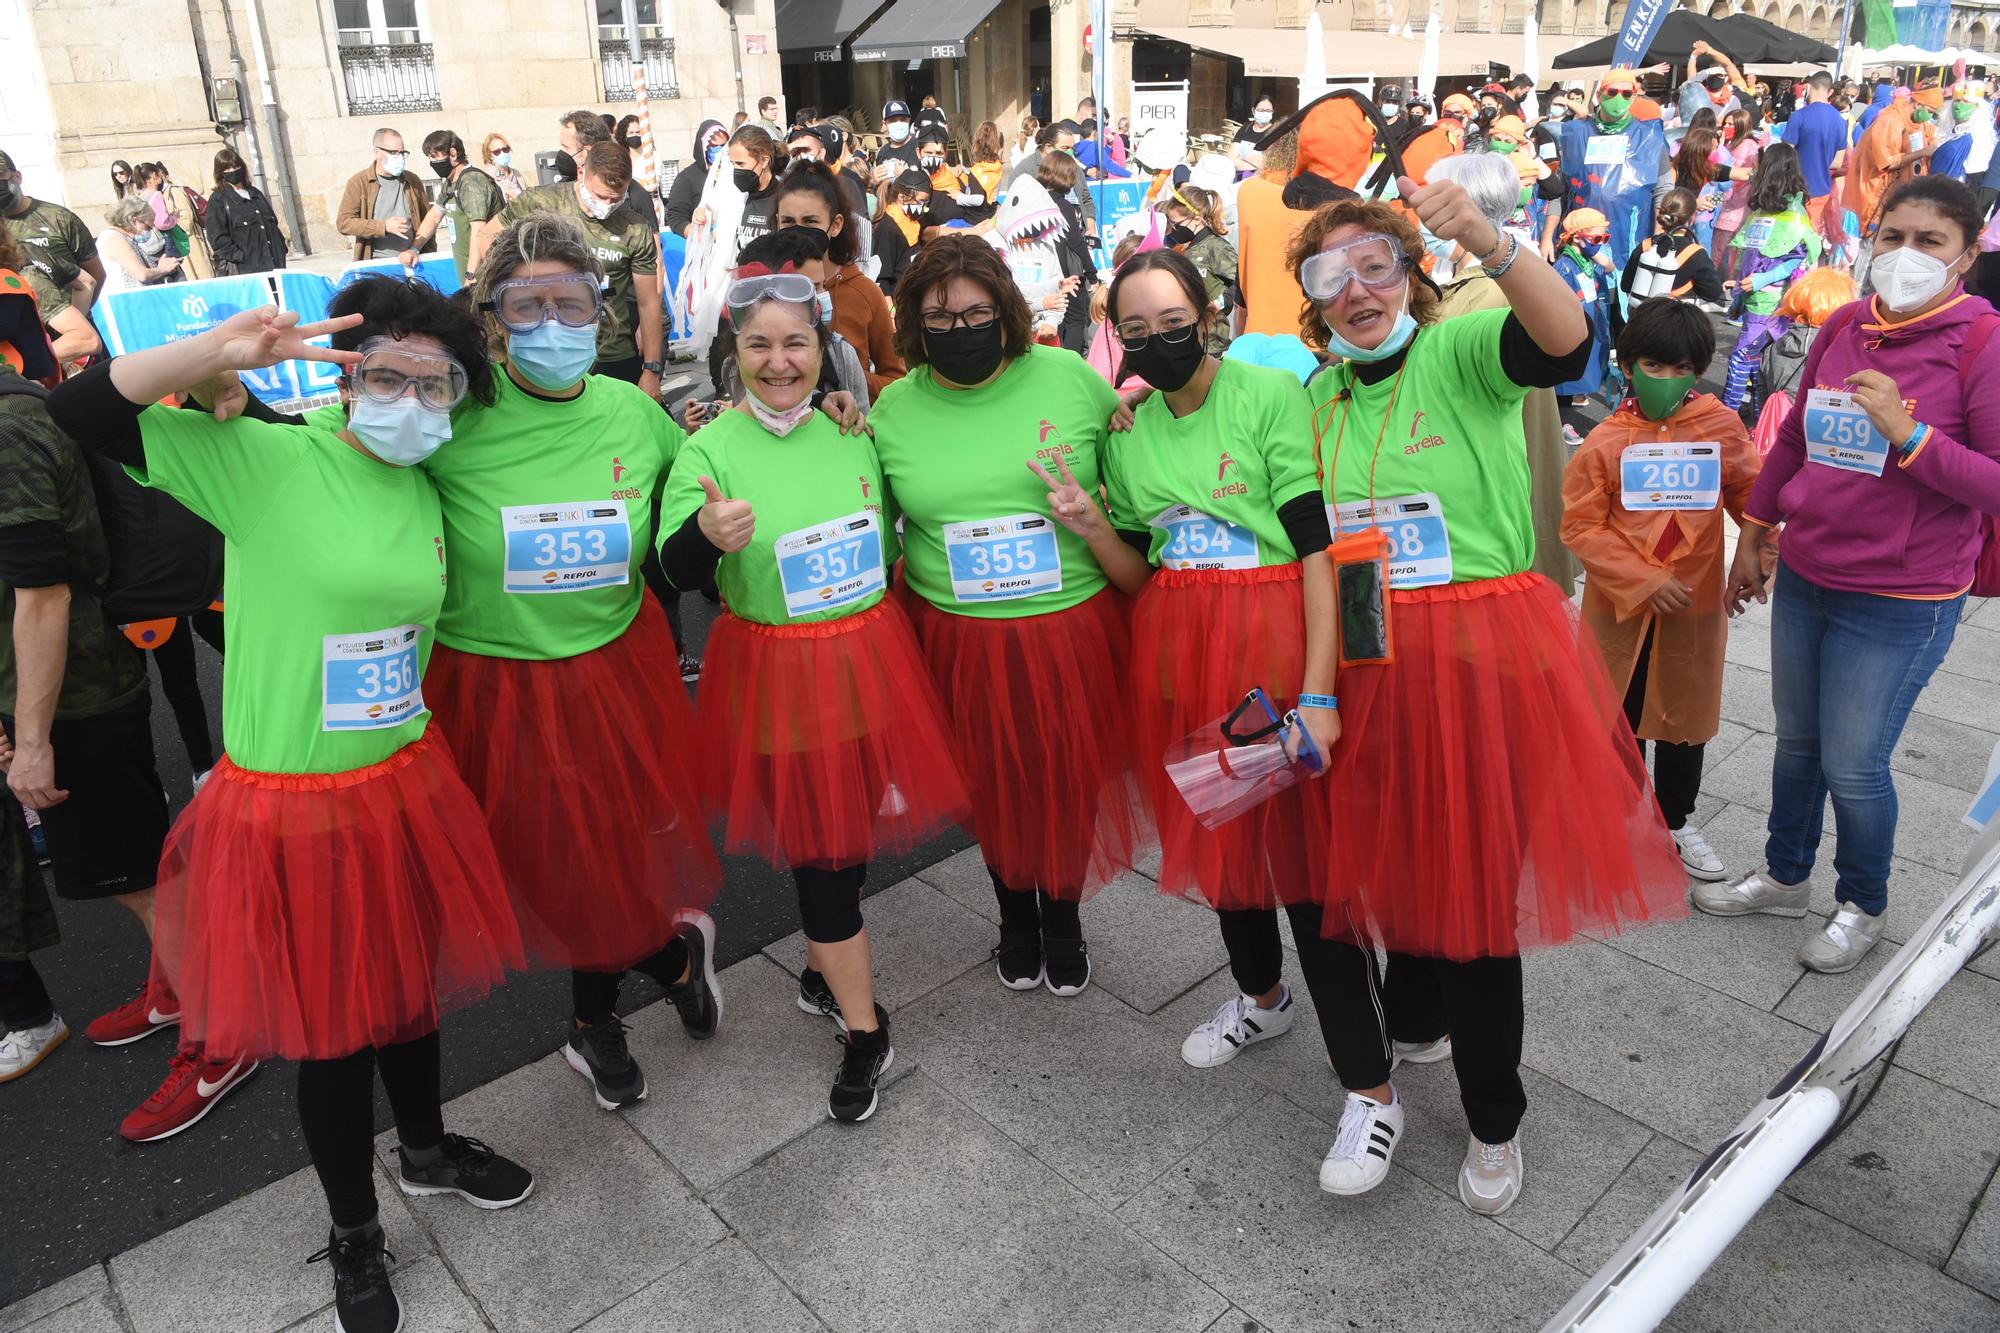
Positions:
{"x": 1326, "y": 701}
{"x": 1513, "y": 253}
{"x": 1917, "y": 437}
{"x": 1499, "y": 240}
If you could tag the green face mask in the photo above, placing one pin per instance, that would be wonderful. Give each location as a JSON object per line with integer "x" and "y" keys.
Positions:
{"x": 1923, "y": 117}
{"x": 1614, "y": 111}
{"x": 1504, "y": 149}
{"x": 1961, "y": 111}
{"x": 1658, "y": 396}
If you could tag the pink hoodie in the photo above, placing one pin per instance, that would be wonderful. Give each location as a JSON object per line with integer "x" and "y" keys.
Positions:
{"x": 1914, "y": 531}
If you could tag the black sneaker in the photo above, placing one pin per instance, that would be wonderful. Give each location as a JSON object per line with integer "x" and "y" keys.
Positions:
{"x": 1067, "y": 969}
{"x": 363, "y": 1300}
{"x": 698, "y": 998}
{"x": 599, "y": 1053}
{"x": 816, "y": 997}
{"x": 471, "y": 1170}
{"x": 865, "y": 1058}
{"x": 1018, "y": 957}
{"x": 690, "y": 667}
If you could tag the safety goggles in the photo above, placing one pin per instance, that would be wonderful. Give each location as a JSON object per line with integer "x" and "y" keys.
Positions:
{"x": 388, "y": 368}
{"x": 525, "y": 304}
{"x": 1376, "y": 260}
{"x": 794, "y": 288}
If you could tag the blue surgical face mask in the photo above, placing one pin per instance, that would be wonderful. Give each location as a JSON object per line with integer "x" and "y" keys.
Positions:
{"x": 553, "y": 356}
{"x": 712, "y": 152}
{"x": 1404, "y": 329}
{"x": 403, "y": 433}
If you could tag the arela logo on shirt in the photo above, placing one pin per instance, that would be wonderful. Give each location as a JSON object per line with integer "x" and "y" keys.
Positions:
{"x": 618, "y": 471}
{"x": 1223, "y": 464}
{"x": 1417, "y": 446}
{"x": 1050, "y": 443}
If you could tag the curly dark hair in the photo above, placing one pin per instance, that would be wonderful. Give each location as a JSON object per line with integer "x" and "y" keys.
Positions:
{"x": 937, "y": 263}
{"x": 397, "y": 308}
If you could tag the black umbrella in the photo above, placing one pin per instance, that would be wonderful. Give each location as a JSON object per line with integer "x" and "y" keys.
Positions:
{"x": 1782, "y": 46}
{"x": 1675, "y": 39}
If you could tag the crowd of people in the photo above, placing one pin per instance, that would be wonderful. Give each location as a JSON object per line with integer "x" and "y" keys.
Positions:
{"x": 1003, "y": 514}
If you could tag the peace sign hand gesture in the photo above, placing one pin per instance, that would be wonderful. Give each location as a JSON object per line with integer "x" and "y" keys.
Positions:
{"x": 1072, "y": 506}
{"x": 256, "y": 339}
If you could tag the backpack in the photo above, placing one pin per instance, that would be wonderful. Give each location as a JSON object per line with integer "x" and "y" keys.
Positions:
{"x": 1658, "y": 273}
{"x": 1986, "y": 569}
{"x": 165, "y": 562}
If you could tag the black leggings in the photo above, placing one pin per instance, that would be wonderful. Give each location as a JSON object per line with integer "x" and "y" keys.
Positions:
{"x": 1023, "y": 911}
{"x": 1676, "y": 766}
{"x": 337, "y": 1113}
{"x": 174, "y": 659}
{"x": 594, "y": 995}
{"x": 830, "y": 902}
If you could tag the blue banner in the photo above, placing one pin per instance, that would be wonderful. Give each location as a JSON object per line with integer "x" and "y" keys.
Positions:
{"x": 315, "y": 382}
{"x": 1642, "y": 24}
{"x": 154, "y": 316}
{"x": 439, "y": 270}
{"x": 1116, "y": 200}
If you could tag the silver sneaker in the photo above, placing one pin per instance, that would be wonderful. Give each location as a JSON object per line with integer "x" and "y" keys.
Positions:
{"x": 1843, "y": 942}
{"x": 1489, "y": 1180}
{"x": 1760, "y": 892}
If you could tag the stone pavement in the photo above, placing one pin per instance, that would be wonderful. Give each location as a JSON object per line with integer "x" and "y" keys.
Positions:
{"x": 1051, "y": 1164}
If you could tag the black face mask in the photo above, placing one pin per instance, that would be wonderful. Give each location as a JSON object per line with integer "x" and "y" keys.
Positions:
{"x": 565, "y": 166}
{"x": 236, "y": 175}
{"x": 1164, "y": 365}
{"x": 966, "y": 356}
{"x": 1180, "y": 234}
{"x": 441, "y": 165}
{"x": 746, "y": 180}
{"x": 632, "y": 141}
{"x": 10, "y": 196}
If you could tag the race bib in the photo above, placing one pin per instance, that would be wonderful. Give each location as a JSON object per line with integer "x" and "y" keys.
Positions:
{"x": 1670, "y": 476}
{"x": 1547, "y": 152}
{"x": 370, "y": 680}
{"x": 830, "y": 565}
{"x": 1756, "y": 233}
{"x": 566, "y": 547}
{"x": 1586, "y": 288}
{"x": 1000, "y": 559}
{"x": 1201, "y": 541}
{"x": 447, "y": 233}
{"x": 1604, "y": 150}
{"x": 1917, "y": 142}
{"x": 1419, "y": 540}
{"x": 1839, "y": 434}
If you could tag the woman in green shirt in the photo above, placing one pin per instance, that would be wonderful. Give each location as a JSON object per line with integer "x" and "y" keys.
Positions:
{"x": 822, "y": 742}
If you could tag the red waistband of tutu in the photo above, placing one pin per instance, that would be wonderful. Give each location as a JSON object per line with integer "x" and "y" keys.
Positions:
{"x": 1471, "y": 589}
{"x": 814, "y": 629}
{"x": 1201, "y": 578}
{"x": 225, "y": 771}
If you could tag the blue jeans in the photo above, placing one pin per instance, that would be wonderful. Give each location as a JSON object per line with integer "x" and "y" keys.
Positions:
{"x": 1846, "y": 667}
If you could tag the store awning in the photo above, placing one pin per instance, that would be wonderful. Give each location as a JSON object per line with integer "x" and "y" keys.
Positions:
{"x": 814, "y": 30}
{"x": 921, "y": 30}
{"x": 1280, "y": 53}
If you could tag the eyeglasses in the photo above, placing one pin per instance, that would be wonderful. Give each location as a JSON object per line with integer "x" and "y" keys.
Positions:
{"x": 1376, "y": 260}
{"x": 972, "y": 317}
{"x": 795, "y": 288}
{"x": 525, "y": 304}
{"x": 1175, "y": 329}
{"x": 382, "y": 375}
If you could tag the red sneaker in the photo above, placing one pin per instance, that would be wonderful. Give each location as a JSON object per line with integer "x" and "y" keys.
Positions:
{"x": 192, "y": 1088}
{"x": 155, "y": 1010}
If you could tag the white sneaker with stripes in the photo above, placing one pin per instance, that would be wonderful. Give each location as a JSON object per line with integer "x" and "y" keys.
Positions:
{"x": 1240, "y": 1022}
{"x": 1366, "y": 1140}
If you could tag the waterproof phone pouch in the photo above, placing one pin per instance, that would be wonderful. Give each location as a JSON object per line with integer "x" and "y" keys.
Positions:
{"x": 1361, "y": 597}
{"x": 1238, "y": 762}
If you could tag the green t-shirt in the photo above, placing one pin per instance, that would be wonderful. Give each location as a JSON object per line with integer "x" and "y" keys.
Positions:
{"x": 50, "y": 300}
{"x": 45, "y": 482}
{"x": 1208, "y": 485}
{"x": 548, "y": 509}
{"x": 978, "y": 538}
{"x": 824, "y": 542}
{"x": 1451, "y": 476}
{"x": 623, "y": 242}
{"x": 54, "y": 240}
{"x": 471, "y": 199}
{"x": 335, "y": 569}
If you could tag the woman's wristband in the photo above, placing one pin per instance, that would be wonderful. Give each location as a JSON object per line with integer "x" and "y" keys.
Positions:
{"x": 1917, "y": 437}
{"x": 1326, "y": 701}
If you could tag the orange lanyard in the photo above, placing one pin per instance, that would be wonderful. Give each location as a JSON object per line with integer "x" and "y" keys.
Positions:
{"x": 1346, "y": 401}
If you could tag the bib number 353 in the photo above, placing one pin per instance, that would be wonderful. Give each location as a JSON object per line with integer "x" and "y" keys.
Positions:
{"x": 567, "y": 547}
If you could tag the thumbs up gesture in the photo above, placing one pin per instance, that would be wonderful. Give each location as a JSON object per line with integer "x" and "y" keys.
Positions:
{"x": 728, "y": 524}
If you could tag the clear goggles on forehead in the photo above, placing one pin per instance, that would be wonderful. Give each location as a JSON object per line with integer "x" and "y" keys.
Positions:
{"x": 388, "y": 368}
{"x": 794, "y": 288}
{"x": 1378, "y": 261}
{"x": 525, "y": 304}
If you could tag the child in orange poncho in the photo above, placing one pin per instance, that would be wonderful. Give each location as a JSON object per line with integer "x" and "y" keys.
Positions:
{"x": 1643, "y": 501}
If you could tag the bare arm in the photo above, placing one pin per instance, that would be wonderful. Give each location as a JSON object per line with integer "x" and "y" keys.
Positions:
{"x": 646, "y": 287}
{"x": 41, "y": 653}
{"x": 75, "y": 337}
{"x": 1548, "y": 310}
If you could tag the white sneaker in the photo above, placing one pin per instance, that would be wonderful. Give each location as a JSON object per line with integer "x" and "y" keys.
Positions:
{"x": 1363, "y": 1145}
{"x": 201, "y": 780}
{"x": 24, "y": 1048}
{"x": 1843, "y": 941}
{"x": 1697, "y": 857}
{"x": 1419, "y": 1052}
{"x": 1760, "y": 892}
{"x": 1490, "y": 1179}
{"x": 1240, "y": 1022}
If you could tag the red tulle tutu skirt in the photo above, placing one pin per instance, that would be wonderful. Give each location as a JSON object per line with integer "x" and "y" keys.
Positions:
{"x": 823, "y": 743}
{"x": 585, "y": 768}
{"x": 305, "y": 916}
{"x": 1486, "y": 796}
{"x": 1044, "y": 737}
{"x": 1200, "y": 640}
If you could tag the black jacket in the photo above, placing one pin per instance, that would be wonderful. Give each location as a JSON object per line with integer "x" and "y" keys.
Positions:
{"x": 243, "y": 233}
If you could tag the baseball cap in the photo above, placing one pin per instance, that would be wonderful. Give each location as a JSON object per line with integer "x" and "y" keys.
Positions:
{"x": 894, "y": 108}
{"x": 1714, "y": 78}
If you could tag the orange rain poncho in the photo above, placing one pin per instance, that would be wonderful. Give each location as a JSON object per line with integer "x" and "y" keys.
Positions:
{"x": 1869, "y": 169}
{"x": 1619, "y": 550}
